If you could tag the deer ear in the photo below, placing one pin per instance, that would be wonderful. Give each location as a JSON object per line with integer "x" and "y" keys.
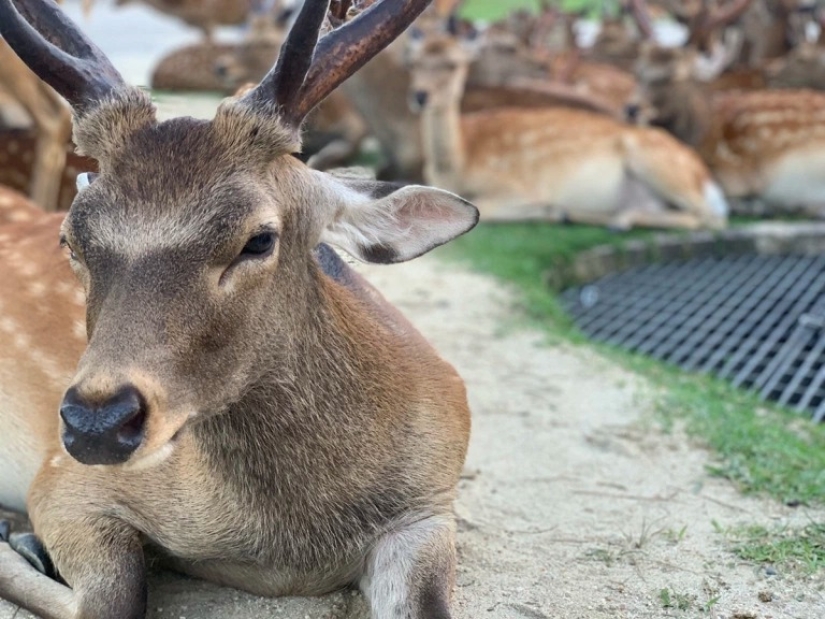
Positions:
{"x": 383, "y": 223}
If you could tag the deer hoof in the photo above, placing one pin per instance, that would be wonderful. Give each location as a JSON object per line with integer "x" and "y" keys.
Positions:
{"x": 32, "y": 550}
{"x": 5, "y": 529}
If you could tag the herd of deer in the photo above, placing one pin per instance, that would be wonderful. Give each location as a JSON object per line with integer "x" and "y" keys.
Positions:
{"x": 519, "y": 117}
{"x": 194, "y": 372}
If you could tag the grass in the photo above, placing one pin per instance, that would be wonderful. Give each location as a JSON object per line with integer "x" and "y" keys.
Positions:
{"x": 761, "y": 448}
{"x": 496, "y": 9}
{"x": 523, "y": 253}
{"x": 796, "y": 548}
{"x": 679, "y": 601}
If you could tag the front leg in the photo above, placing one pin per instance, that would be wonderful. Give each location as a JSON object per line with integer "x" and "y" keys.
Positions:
{"x": 102, "y": 561}
{"x": 410, "y": 572}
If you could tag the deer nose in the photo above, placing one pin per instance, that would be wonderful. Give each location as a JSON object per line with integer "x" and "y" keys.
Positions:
{"x": 103, "y": 433}
{"x": 221, "y": 70}
{"x": 419, "y": 99}
{"x": 631, "y": 111}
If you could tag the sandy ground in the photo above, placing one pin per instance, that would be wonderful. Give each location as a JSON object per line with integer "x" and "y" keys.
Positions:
{"x": 573, "y": 504}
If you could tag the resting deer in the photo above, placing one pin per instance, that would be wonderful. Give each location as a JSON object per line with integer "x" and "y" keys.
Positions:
{"x": 246, "y": 403}
{"x": 52, "y": 122}
{"x": 205, "y": 15}
{"x": 16, "y": 208}
{"x": 555, "y": 162}
{"x": 765, "y": 144}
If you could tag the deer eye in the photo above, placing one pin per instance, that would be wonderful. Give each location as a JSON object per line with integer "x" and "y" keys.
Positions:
{"x": 85, "y": 179}
{"x": 65, "y": 243}
{"x": 259, "y": 245}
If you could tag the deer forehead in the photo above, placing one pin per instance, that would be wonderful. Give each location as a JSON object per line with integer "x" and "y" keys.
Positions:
{"x": 188, "y": 181}
{"x": 107, "y": 217}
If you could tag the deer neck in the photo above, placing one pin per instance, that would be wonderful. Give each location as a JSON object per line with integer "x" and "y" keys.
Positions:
{"x": 298, "y": 426}
{"x": 684, "y": 110}
{"x": 443, "y": 143}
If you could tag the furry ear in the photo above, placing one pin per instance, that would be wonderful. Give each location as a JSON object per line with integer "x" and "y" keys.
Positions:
{"x": 380, "y": 222}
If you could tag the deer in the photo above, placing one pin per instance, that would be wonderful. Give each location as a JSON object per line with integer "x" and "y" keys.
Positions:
{"x": 205, "y": 15}
{"x": 617, "y": 43}
{"x": 16, "y": 208}
{"x": 554, "y": 163}
{"x": 759, "y": 144}
{"x": 51, "y": 119}
{"x": 18, "y": 150}
{"x": 194, "y": 367}
{"x": 224, "y": 67}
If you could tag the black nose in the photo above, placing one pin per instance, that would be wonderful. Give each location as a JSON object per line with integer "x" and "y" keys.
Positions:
{"x": 221, "y": 70}
{"x": 420, "y": 98}
{"x": 103, "y": 433}
{"x": 631, "y": 111}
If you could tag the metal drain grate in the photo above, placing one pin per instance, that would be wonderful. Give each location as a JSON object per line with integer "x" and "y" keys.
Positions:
{"x": 758, "y": 321}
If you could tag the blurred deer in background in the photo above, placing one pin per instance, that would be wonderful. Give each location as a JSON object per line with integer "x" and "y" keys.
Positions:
{"x": 552, "y": 163}
{"x": 764, "y": 144}
{"x": 205, "y": 15}
{"x": 246, "y": 403}
{"x": 52, "y": 122}
{"x": 619, "y": 36}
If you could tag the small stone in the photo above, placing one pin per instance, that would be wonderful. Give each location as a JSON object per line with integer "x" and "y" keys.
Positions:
{"x": 765, "y": 596}
{"x": 770, "y": 571}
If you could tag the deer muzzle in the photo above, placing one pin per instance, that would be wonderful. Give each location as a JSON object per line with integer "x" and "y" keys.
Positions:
{"x": 104, "y": 431}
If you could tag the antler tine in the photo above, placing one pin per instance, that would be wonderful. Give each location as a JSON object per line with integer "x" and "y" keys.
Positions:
{"x": 57, "y": 51}
{"x": 346, "y": 49}
{"x": 282, "y": 85}
{"x": 729, "y": 14}
{"x": 641, "y": 16}
{"x": 301, "y": 79}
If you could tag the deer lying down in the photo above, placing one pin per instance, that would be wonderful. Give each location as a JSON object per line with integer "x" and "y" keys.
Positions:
{"x": 762, "y": 144}
{"x": 246, "y": 403}
{"x": 552, "y": 163}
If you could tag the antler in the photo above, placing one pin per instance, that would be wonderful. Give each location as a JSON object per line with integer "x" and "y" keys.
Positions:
{"x": 58, "y": 52}
{"x": 728, "y": 14}
{"x": 641, "y": 16}
{"x": 301, "y": 79}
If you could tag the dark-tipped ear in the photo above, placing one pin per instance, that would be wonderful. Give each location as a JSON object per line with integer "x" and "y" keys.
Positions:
{"x": 385, "y": 223}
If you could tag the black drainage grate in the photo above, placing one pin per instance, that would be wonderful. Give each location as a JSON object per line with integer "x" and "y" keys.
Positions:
{"x": 758, "y": 321}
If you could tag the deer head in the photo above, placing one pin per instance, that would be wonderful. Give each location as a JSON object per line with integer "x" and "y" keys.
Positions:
{"x": 439, "y": 61}
{"x": 194, "y": 244}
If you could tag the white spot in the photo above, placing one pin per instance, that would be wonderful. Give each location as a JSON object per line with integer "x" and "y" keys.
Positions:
{"x": 37, "y": 289}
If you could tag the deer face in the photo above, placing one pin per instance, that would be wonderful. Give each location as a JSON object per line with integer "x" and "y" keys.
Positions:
{"x": 195, "y": 242}
{"x": 199, "y": 271}
{"x": 438, "y": 64}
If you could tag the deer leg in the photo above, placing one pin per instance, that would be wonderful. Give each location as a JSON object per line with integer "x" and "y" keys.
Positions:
{"x": 55, "y": 129}
{"x": 410, "y": 572}
{"x": 102, "y": 560}
{"x": 53, "y": 123}
{"x": 652, "y": 219}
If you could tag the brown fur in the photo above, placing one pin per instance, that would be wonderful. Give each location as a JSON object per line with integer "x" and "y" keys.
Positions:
{"x": 17, "y": 165}
{"x": 205, "y": 15}
{"x": 748, "y": 138}
{"x": 554, "y": 162}
{"x": 299, "y": 434}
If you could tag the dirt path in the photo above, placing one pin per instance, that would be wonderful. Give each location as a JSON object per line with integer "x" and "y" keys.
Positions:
{"x": 573, "y": 506}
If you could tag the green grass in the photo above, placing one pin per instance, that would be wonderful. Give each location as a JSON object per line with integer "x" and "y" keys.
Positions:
{"x": 795, "y": 548}
{"x": 497, "y": 9}
{"x": 762, "y": 448}
{"x": 524, "y": 253}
